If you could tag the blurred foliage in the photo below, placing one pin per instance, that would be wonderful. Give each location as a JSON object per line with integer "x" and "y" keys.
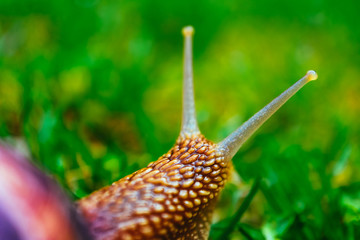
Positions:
{"x": 94, "y": 89}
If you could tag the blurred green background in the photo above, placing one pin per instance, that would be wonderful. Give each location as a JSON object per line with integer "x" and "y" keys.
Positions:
{"x": 93, "y": 88}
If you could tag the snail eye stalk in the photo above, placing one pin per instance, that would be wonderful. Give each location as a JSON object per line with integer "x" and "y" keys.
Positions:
{"x": 231, "y": 144}
{"x": 189, "y": 124}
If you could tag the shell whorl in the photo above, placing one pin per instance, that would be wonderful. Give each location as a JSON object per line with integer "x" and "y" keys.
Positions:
{"x": 171, "y": 198}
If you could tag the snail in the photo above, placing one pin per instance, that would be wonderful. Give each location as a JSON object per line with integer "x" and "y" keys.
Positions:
{"x": 173, "y": 197}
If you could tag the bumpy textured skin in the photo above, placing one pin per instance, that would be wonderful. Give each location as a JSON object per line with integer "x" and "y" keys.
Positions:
{"x": 172, "y": 198}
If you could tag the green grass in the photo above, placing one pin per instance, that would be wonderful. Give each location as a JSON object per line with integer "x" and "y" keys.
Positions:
{"x": 94, "y": 89}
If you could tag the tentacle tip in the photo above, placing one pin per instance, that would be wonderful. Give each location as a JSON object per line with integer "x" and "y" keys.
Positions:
{"x": 311, "y": 75}
{"x": 188, "y": 31}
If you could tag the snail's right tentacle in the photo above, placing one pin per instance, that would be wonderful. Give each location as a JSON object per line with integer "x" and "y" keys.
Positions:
{"x": 231, "y": 144}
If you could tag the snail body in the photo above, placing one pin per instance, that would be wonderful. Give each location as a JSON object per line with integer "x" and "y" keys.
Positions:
{"x": 172, "y": 198}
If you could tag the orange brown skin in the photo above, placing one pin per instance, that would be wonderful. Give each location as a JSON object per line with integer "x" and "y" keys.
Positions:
{"x": 171, "y": 198}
